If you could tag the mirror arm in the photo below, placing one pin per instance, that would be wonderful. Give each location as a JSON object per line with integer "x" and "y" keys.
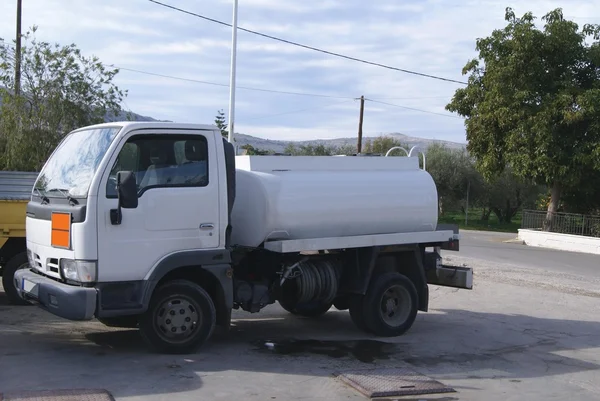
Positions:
{"x": 116, "y": 215}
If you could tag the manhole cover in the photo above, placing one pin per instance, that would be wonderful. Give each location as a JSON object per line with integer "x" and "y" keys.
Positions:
{"x": 386, "y": 382}
{"x": 59, "y": 395}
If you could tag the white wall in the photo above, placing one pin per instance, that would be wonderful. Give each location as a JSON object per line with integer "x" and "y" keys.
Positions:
{"x": 564, "y": 242}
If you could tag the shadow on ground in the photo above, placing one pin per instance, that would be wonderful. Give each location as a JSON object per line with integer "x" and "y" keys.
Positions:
{"x": 453, "y": 344}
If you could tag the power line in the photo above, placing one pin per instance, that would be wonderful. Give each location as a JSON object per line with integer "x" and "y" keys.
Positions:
{"x": 227, "y": 85}
{"x": 198, "y": 81}
{"x": 414, "y": 109}
{"x": 309, "y": 47}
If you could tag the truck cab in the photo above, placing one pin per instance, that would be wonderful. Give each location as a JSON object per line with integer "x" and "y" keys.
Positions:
{"x": 82, "y": 245}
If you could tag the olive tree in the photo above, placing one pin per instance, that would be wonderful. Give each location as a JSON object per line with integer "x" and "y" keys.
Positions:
{"x": 61, "y": 89}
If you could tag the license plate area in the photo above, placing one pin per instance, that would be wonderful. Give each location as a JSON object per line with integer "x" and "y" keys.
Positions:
{"x": 29, "y": 287}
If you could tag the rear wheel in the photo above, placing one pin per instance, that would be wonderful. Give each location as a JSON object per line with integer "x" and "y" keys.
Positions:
{"x": 17, "y": 262}
{"x": 389, "y": 308}
{"x": 356, "y": 312}
{"x": 180, "y": 318}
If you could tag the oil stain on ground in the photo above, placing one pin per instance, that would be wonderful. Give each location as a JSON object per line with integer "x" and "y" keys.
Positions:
{"x": 367, "y": 351}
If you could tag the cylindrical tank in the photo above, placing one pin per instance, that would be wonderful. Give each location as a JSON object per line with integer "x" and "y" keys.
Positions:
{"x": 312, "y": 203}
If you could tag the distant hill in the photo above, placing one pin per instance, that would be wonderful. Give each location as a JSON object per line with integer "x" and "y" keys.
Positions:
{"x": 279, "y": 146}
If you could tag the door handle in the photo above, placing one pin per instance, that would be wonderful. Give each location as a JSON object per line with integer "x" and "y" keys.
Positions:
{"x": 207, "y": 226}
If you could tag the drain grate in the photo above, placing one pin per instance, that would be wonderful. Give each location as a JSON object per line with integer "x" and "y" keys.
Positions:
{"x": 387, "y": 382}
{"x": 59, "y": 395}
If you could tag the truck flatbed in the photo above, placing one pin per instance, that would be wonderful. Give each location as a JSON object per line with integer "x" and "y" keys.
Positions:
{"x": 359, "y": 241}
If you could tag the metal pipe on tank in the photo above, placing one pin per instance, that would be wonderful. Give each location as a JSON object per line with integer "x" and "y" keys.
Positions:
{"x": 394, "y": 148}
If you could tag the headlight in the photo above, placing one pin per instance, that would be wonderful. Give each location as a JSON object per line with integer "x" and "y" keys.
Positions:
{"x": 82, "y": 271}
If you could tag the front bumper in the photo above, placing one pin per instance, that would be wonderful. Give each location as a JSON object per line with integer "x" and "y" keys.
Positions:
{"x": 67, "y": 301}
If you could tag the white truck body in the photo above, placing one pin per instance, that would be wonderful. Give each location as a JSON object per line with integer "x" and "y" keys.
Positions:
{"x": 303, "y": 197}
{"x": 128, "y": 220}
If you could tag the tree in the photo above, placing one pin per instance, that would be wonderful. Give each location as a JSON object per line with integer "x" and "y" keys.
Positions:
{"x": 533, "y": 102}
{"x": 382, "y": 144}
{"x": 507, "y": 194}
{"x": 220, "y": 123}
{"x": 310, "y": 150}
{"x": 60, "y": 90}
{"x": 454, "y": 174}
{"x": 252, "y": 151}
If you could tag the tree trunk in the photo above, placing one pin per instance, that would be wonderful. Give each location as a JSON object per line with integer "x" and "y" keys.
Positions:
{"x": 485, "y": 214}
{"x": 555, "y": 193}
{"x": 498, "y": 212}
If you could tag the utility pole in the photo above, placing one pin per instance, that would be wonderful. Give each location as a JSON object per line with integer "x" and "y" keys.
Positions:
{"x": 18, "y": 52}
{"x": 232, "y": 76}
{"x": 360, "y": 124}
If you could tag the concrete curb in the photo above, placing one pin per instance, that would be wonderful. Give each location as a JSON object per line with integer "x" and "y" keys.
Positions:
{"x": 514, "y": 241}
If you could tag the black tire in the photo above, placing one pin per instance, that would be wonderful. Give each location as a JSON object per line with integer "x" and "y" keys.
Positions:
{"x": 308, "y": 309}
{"x": 342, "y": 303}
{"x": 128, "y": 322}
{"x": 193, "y": 311}
{"x": 396, "y": 293}
{"x": 19, "y": 261}
{"x": 356, "y": 312}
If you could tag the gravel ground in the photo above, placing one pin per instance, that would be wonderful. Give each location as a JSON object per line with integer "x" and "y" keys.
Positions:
{"x": 520, "y": 334}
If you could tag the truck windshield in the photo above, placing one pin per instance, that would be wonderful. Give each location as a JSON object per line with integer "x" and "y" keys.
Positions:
{"x": 69, "y": 171}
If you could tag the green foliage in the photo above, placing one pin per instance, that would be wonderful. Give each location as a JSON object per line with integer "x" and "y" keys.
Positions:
{"x": 252, "y": 151}
{"x": 310, "y": 150}
{"x": 533, "y": 101}
{"x": 457, "y": 180}
{"x": 379, "y": 145}
{"x": 454, "y": 174}
{"x": 61, "y": 90}
{"x": 221, "y": 124}
{"x": 382, "y": 144}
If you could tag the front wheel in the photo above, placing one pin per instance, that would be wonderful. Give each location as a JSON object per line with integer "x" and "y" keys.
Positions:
{"x": 390, "y": 306}
{"x": 180, "y": 318}
{"x": 17, "y": 262}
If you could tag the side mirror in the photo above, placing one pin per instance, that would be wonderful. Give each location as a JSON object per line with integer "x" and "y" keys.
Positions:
{"x": 127, "y": 190}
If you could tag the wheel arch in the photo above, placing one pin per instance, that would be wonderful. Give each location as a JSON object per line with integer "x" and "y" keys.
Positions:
{"x": 409, "y": 263}
{"x": 198, "y": 267}
{"x": 363, "y": 264}
{"x": 12, "y": 247}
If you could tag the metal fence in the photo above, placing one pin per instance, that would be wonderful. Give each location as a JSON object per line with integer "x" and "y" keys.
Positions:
{"x": 563, "y": 223}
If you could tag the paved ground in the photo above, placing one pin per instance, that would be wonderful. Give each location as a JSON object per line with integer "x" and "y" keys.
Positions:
{"x": 489, "y": 246}
{"x": 521, "y": 334}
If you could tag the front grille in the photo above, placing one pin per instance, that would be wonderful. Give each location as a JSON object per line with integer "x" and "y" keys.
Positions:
{"x": 52, "y": 265}
{"x": 37, "y": 261}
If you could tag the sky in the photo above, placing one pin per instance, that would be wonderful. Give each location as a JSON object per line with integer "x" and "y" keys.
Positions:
{"x": 435, "y": 37}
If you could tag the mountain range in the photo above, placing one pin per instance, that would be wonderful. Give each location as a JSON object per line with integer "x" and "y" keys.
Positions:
{"x": 279, "y": 146}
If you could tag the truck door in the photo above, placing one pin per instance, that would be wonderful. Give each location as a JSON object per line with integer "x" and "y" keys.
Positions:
{"x": 178, "y": 206}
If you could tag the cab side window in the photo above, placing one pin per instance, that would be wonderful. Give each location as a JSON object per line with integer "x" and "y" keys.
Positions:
{"x": 160, "y": 161}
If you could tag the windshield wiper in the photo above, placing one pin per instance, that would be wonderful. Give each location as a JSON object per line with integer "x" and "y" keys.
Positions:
{"x": 45, "y": 199}
{"x": 64, "y": 193}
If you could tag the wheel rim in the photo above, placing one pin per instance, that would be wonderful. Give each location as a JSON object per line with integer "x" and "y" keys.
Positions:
{"x": 177, "y": 319}
{"x": 395, "y": 305}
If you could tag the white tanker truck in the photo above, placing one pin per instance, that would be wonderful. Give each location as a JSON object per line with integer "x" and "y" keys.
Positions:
{"x": 160, "y": 226}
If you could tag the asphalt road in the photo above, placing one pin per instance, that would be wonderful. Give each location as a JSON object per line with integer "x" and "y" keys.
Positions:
{"x": 490, "y": 247}
{"x": 527, "y": 331}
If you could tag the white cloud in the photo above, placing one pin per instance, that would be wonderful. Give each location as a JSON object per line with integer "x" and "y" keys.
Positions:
{"x": 431, "y": 36}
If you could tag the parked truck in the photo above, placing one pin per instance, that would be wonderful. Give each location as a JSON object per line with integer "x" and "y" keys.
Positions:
{"x": 15, "y": 192}
{"x": 161, "y": 226}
